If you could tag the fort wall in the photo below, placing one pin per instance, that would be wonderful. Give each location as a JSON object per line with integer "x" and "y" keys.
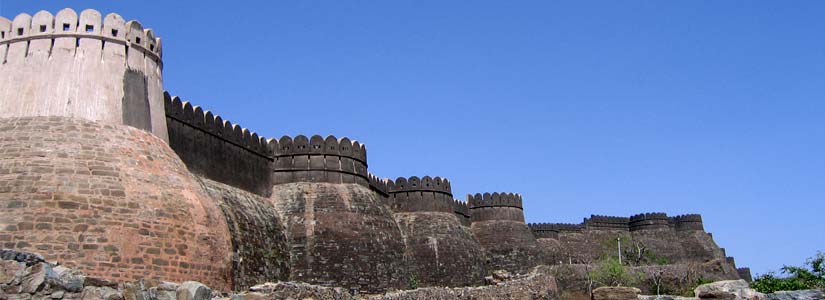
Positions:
{"x": 420, "y": 194}
{"x": 218, "y": 149}
{"x": 82, "y": 66}
{"x": 114, "y": 201}
{"x": 497, "y": 221}
{"x": 674, "y": 239}
{"x": 318, "y": 159}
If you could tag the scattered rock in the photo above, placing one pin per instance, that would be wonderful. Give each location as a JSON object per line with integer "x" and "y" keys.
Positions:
{"x": 797, "y": 295}
{"x": 616, "y": 293}
{"x": 68, "y": 279}
{"x": 168, "y": 286}
{"x": 57, "y": 295}
{"x": 193, "y": 290}
{"x": 728, "y": 289}
{"x": 100, "y": 293}
{"x": 24, "y": 257}
{"x": 35, "y": 278}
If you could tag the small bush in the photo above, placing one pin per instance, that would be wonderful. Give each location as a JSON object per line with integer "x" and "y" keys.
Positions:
{"x": 809, "y": 276}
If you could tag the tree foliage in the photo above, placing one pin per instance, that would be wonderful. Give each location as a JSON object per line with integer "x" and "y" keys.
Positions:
{"x": 608, "y": 271}
{"x": 809, "y": 276}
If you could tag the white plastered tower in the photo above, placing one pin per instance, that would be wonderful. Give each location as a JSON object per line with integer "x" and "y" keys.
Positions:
{"x": 88, "y": 66}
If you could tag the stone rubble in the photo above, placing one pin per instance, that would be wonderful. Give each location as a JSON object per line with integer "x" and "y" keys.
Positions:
{"x": 25, "y": 276}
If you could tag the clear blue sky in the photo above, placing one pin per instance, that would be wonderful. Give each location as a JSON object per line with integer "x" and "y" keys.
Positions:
{"x": 613, "y": 107}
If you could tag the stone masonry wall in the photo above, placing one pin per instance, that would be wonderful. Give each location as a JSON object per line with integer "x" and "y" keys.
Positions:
{"x": 111, "y": 200}
{"x": 341, "y": 235}
{"x": 218, "y": 149}
{"x": 442, "y": 251}
{"x": 87, "y": 66}
{"x": 260, "y": 251}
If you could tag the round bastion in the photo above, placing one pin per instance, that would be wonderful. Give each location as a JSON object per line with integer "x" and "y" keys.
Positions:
{"x": 110, "y": 200}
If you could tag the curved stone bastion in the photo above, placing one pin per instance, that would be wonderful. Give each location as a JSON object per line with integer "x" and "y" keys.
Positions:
{"x": 110, "y": 200}
{"x": 340, "y": 231}
{"x": 443, "y": 251}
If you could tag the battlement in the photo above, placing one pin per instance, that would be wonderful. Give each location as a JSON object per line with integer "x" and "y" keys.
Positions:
{"x": 50, "y": 61}
{"x": 216, "y": 148}
{"x": 495, "y": 206}
{"x": 89, "y": 25}
{"x": 494, "y": 200}
{"x": 544, "y": 230}
{"x": 379, "y": 185}
{"x": 211, "y": 124}
{"x": 687, "y": 222}
{"x": 607, "y": 222}
{"x": 461, "y": 209}
{"x": 318, "y": 159}
{"x": 648, "y": 221}
{"x": 424, "y": 194}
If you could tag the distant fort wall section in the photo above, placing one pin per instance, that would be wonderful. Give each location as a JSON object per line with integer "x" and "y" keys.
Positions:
{"x": 415, "y": 194}
{"x": 318, "y": 159}
{"x": 82, "y": 66}
{"x": 495, "y": 207}
{"x": 228, "y": 153}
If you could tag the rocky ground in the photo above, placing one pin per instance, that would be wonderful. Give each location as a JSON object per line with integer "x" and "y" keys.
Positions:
{"x": 27, "y": 276}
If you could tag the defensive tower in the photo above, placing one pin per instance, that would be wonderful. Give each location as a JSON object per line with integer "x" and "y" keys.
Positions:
{"x": 321, "y": 190}
{"x": 442, "y": 251}
{"x": 87, "y": 67}
{"x": 498, "y": 224}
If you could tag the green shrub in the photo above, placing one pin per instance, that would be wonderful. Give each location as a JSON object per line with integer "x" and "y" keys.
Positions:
{"x": 608, "y": 271}
{"x": 809, "y": 276}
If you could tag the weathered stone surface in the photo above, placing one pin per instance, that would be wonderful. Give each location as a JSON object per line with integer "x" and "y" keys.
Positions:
{"x": 112, "y": 201}
{"x": 35, "y": 278}
{"x": 796, "y": 295}
{"x": 616, "y": 293}
{"x": 260, "y": 251}
{"x": 84, "y": 78}
{"x": 69, "y": 279}
{"x": 193, "y": 290}
{"x": 664, "y": 297}
{"x": 727, "y": 289}
{"x": 341, "y": 235}
{"x": 442, "y": 251}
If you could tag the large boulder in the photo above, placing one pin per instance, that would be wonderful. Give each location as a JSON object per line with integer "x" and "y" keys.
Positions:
{"x": 728, "y": 289}
{"x": 616, "y": 293}
{"x": 796, "y": 295}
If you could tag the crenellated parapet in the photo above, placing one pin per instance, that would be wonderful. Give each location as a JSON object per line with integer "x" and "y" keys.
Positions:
{"x": 544, "y": 230}
{"x": 379, "y": 185}
{"x": 648, "y": 221}
{"x": 462, "y": 211}
{"x": 607, "y": 222}
{"x": 495, "y": 206}
{"x": 412, "y": 194}
{"x": 82, "y": 66}
{"x": 318, "y": 159}
{"x": 687, "y": 222}
{"x": 218, "y": 149}
{"x": 208, "y": 123}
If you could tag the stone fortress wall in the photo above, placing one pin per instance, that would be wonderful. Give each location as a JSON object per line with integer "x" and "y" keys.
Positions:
{"x": 84, "y": 66}
{"x": 326, "y": 219}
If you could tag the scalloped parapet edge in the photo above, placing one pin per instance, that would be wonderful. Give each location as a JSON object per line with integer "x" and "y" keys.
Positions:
{"x": 89, "y": 24}
{"x": 648, "y": 221}
{"x": 496, "y": 199}
{"x": 412, "y": 194}
{"x": 687, "y": 222}
{"x": 319, "y": 159}
{"x": 379, "y": 185}
{"x": 495, "y": 207}
{"x": 209, "y": 123}
{"x": 611, "y": 222}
